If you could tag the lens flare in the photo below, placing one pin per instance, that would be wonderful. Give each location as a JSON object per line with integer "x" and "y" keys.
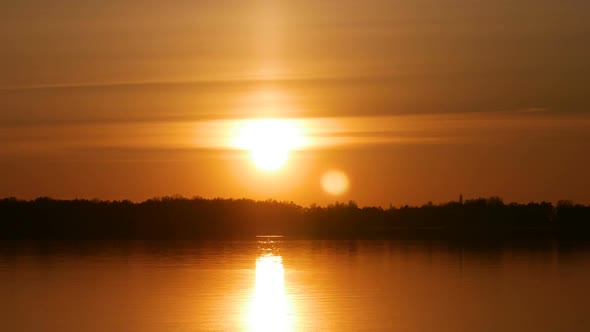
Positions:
{"x": 335, "y": 182}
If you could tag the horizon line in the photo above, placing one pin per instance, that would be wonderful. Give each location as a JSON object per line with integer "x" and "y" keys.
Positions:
{"x": 461, "y": 200}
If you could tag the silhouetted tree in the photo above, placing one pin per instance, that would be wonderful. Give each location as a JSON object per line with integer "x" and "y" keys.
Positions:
{"x": 176, "y": 217}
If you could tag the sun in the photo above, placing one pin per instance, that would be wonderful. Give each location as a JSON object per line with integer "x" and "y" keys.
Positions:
{"x": 269, "y": 141}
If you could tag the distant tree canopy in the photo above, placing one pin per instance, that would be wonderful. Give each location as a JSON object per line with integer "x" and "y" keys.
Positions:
{"x": 199, "y": 218}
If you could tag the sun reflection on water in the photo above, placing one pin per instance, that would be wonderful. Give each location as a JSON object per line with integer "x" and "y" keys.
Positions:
{"x": 270, "y": 308}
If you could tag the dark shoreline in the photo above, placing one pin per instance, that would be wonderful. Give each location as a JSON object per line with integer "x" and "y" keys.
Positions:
{"x": 177, "y": 218}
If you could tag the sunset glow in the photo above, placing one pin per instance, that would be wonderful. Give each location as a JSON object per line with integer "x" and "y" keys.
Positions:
{"x": 294, "y": 165}
{"x": 413, "y": 100}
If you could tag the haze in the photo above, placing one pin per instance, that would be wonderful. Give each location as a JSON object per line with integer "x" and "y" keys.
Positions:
{"x": 413, "y": 101}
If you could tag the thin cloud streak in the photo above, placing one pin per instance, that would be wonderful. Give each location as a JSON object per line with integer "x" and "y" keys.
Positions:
{"x": 320, "y": 133}
{"x": 205, "y": 82}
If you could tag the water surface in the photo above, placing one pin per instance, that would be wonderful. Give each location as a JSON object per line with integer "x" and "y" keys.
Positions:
{"x": 274, "y": 284}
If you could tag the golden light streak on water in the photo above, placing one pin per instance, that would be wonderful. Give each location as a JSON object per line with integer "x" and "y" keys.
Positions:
{"x": 270, "y": 308}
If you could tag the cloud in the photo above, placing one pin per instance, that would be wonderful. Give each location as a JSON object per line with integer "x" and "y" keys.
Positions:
{"x": 530, "y": 110}
{"x": 486, "y": 128}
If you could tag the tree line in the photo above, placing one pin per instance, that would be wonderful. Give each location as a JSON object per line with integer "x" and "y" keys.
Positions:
{"x": 200, "y": 218}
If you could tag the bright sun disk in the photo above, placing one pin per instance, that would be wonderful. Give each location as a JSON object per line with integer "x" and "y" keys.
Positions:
{"x": 269, "y": 141}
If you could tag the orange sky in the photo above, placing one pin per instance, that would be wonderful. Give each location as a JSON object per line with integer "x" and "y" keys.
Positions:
{"x": 415, "y": 101}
